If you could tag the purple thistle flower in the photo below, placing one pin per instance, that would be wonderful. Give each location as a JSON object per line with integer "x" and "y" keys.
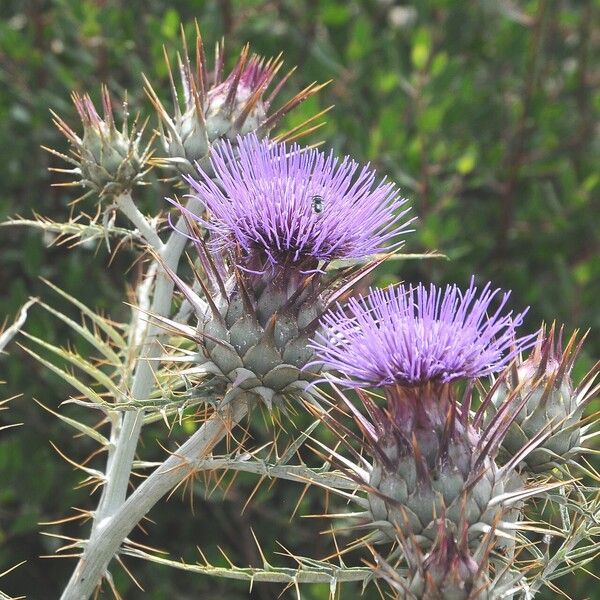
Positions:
{"x": 411, "y": 336}
{"x": 294, "y": 206}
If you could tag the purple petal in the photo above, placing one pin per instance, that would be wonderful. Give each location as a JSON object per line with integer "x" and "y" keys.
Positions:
{"x": 413, "y": 335}
{"x": 262, "y": 200}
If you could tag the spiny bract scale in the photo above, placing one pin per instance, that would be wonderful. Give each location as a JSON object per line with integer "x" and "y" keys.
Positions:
{"x": 543, "y": 385}
{"x": 257, "y": 337}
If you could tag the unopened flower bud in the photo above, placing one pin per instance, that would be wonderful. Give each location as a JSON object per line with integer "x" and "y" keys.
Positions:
{"x": 543, "y": 397}
{"x": 213, "y": 106}
{"x": 107, "y": 160}
{"x": 450, "y": 572}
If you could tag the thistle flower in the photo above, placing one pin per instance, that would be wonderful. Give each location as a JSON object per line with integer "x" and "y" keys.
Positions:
{"x": 106, "y": 160}
{"x": 429, "y": 452}
{"x": 410, "y": 336}
{"x": 268, "y": 248}
{"x": 263, "y": 203}
{"x": 543, "y": 383}
{"x": 214, "y": 106}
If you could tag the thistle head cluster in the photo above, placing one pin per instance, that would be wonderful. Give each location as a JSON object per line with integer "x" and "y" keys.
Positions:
{"x": 214, "y": 106}
{"x": 106, "y": 160}
{"x": 543, "y": 385}
{"x": 268, "y": 249}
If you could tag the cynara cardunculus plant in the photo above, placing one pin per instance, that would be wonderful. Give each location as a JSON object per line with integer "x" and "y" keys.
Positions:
{"x": 278, "y": 216}
{"x": 280, "y": 234}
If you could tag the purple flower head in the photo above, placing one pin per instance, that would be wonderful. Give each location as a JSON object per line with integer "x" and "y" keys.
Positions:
{"x": 411, "y": 336}
{"x": 289, "y": 205}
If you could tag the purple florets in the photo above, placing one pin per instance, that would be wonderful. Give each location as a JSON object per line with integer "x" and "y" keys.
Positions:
{"x": 292, "y": 205}
{"x": 411, "y": 336}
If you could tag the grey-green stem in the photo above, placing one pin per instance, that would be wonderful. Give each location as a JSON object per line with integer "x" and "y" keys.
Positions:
{"x": 100, "y": 549}
{"x": 126, "y": 427}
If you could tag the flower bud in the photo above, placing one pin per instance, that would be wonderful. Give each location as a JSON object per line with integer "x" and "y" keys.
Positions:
{"x": 106, "y": 160}
{"x": 214, "y": 107}
{"x": 542, "y": 385}
{"x": 450, "y": 572}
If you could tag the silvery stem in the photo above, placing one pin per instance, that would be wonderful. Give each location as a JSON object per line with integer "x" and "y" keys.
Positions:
{"x": 102, "y": 547}
{"x": 126, "y": 427}
{"x": 127, "y": 206}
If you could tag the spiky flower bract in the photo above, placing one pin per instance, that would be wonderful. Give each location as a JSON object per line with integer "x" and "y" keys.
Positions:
{"x": 216, "y": 106}
{"x": 264, "y": 202}
{"x": 267, "y": 252}
{"x": 428, "y": 459}
{"x": 106, "y": 160}
{"x": 451, "y": 570}
{"x": 414, "y": 335}
{"x": 543, "y": 382}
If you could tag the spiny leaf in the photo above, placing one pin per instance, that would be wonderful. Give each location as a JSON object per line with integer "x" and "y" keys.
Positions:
{"x": 85, "y": 429}
{"x": 90, "y": 394}
{"x": 73, "y": 230}
{"x": 339, "y": 264}
{"x": 316, "y": 572}
{"x": 88, "y": 335}
{"x": 78, "y": 361}
{"x": 101, "y": 322}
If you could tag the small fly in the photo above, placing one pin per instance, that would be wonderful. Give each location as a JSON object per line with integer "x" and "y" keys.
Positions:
{"x": 318, "y": 204}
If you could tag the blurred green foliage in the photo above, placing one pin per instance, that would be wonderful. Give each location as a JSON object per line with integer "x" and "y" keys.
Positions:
{"x": 484, "y": 111}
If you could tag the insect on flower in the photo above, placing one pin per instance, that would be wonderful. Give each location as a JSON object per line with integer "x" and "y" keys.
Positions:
{"x": 318, "y": 204}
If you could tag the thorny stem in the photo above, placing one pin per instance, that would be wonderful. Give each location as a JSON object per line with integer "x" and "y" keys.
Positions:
{"x": 127, "y": 206}
{"x": 125, "y": 428}
{"x": 312, "y": 573}
{"x": 299, "y": 473}
{"x": 100, "y": 549}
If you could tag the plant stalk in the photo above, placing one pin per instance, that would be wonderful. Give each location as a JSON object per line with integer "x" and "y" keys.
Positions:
{"x": 100, "y": 549}
{"x": 126, "y": 427}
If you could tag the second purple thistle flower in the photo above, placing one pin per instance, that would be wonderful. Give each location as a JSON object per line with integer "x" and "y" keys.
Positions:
{"x": 410, "y": 336}
{"x": 286, "y": 205}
